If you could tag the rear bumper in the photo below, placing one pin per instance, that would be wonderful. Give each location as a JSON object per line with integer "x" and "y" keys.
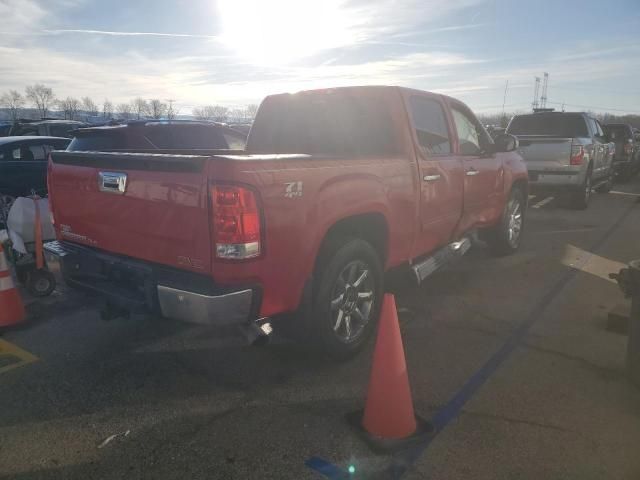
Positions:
{"x": 546, "y": 179}
{"x": 143, "y": 287}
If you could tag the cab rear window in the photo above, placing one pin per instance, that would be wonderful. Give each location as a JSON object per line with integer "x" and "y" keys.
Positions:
{"x": 553, "y": 124}
{"x": 330, "y": 123}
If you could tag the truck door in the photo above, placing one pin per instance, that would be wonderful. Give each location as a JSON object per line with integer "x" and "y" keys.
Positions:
{"x": 483, "y": 173}
{"x": 440, "y": 173}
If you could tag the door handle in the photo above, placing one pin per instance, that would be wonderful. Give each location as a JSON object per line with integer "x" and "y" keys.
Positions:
{"x": 431, "y": 178}
{"x": 472, "y": 172}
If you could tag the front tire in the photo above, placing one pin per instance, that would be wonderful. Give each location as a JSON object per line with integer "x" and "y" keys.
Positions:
{"x": 505, "y": 238}
{"x": 348, "y": 297}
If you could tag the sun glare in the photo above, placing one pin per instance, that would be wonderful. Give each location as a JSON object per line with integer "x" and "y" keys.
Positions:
{"x": 282, "y": 31}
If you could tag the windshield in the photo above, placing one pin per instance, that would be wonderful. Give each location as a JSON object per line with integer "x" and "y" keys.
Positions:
{"x": 549, "y": 124}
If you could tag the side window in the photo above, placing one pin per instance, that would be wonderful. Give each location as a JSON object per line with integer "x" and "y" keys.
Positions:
{"x": 430, "y": 124}
{"x": 37, "y": 152}
{"x": 599, "y": 129}
{"x": 593, "y": 126}
{"x": 467, "y": 133}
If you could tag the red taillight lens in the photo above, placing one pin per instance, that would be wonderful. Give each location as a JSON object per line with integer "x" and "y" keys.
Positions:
{"x": 577, "y": 155}
{"x": 236, "y": 222}
{"x": 628, "y": 148}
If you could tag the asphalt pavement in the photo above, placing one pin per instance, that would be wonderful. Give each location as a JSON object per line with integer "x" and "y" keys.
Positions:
{"x": 510, "y": 357}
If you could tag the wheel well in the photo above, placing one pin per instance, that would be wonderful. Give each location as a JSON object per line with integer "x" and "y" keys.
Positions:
{"x": 371, "y": 227}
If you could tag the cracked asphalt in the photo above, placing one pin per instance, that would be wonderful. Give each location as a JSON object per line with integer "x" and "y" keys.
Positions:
{"x": 148, "y": 398}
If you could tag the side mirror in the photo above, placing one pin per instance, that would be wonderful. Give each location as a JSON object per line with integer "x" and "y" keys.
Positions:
{"x": 506, "y": 143}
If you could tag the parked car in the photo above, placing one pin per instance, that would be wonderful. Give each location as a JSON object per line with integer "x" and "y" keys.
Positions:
{"x": 45, "y": 128}
{"x": 337, "y": 186}
{"x": 23, "y": 163}
{"x": 158, "y": 135}
{"x": 23, "y": 167}
{"x": 626, "y": 160}
{"x": 565, "y": 151}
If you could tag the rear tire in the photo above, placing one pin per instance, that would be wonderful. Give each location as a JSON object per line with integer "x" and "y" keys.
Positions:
{"x": 580, "y": 198}
{"x": 505, "y": 238}
{"x": 348, "y": 297}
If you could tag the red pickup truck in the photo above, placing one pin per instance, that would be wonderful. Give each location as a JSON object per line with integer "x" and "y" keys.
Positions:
{"x": 335, "y": 188}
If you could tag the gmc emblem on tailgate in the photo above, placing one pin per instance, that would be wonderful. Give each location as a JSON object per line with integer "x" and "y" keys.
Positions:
{"x": 112, "y": 182}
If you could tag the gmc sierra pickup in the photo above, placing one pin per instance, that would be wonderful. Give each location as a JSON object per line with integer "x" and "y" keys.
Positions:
{"x": 335, "y": 188}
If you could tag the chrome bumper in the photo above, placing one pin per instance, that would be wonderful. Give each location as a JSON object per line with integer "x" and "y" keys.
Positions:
{"x": 231, "y": 308}
{"x": 80, "y": 266}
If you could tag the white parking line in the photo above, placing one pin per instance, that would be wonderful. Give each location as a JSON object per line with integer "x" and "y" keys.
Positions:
{"x": 625, "y": 193}
{"x": 542, "y": 203}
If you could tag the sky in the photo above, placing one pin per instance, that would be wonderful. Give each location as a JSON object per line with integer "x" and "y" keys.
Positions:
{"x": 235, "y": 52}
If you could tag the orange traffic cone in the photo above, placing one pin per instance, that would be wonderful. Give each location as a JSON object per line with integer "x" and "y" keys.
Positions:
{"x": 389, "y": 422}
{"x": 11, "y": 307}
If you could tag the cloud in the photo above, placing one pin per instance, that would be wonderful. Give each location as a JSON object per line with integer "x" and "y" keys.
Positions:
{"x": 127, "y": 34}
{"x": 19, "y": 16}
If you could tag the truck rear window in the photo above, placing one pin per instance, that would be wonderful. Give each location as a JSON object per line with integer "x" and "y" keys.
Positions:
{"x": 332, "y": 123}
{"x": 554, "y": 124}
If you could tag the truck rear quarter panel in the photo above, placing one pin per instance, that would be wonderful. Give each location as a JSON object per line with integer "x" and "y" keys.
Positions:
{"x": 326, "y": 190}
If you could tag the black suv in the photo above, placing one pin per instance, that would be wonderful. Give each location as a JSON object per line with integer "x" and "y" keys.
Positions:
{"x": 626, "y": 160}
{"x": 158, "y": 135}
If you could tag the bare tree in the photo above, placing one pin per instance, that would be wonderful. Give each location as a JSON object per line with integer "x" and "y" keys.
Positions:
{"x": 70, "y": 106}
{"x": 107, "y": 109}
{"x": 172, "y": 113}
{"x": 41, "y": 96}
{"x": 237, "y": 115}
{"x": 124, "y": 111}
{"x": 157, "y": 108}
{"x": 211, "y": 112}
{"x": 201, "y": 113}
{"x": 89, "y": 106}
{"x": 13, "y": 101}
{"x": 139, "y": 107}
{"x": 251, "y": 110}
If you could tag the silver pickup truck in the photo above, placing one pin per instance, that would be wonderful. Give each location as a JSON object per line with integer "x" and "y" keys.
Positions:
{"x": 565, "y": 152}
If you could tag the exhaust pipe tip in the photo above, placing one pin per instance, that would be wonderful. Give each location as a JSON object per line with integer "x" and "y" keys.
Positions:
{"x": 259, "y": 333}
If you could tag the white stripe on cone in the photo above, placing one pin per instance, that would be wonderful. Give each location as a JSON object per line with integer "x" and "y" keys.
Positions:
{"x": 6, "y": 283}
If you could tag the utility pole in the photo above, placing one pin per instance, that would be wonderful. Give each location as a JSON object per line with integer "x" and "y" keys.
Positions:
{"x": 543, "y": 99}
{"x": 504, "y": 101}
{"x": 171, "y": 114}
{"x": 536, "y": 91}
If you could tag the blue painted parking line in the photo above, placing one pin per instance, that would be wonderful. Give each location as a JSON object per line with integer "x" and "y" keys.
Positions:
{"x": 402, "y": 461}
{"x": 325, "y": 468}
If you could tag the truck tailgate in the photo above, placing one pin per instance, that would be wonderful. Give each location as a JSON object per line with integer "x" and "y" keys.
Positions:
{"x": 545, "y": 153}
{"x": 151, "y": 207}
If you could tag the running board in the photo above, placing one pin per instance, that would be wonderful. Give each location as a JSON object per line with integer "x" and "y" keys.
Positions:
{"x": 443, "y": 256}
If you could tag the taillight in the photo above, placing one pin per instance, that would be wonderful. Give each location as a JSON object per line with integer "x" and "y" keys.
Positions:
{"x": 577, "y": 155}
{"x": 236, "y": 222}
{"x": 628, "y": 148}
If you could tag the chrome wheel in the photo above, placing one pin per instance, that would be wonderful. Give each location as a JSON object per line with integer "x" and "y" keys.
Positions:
{"x": 515, "y": 223}
{"x": 352, "y": 301}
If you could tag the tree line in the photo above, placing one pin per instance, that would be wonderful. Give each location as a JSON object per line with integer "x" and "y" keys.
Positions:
{"x": 43, "y": 100}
